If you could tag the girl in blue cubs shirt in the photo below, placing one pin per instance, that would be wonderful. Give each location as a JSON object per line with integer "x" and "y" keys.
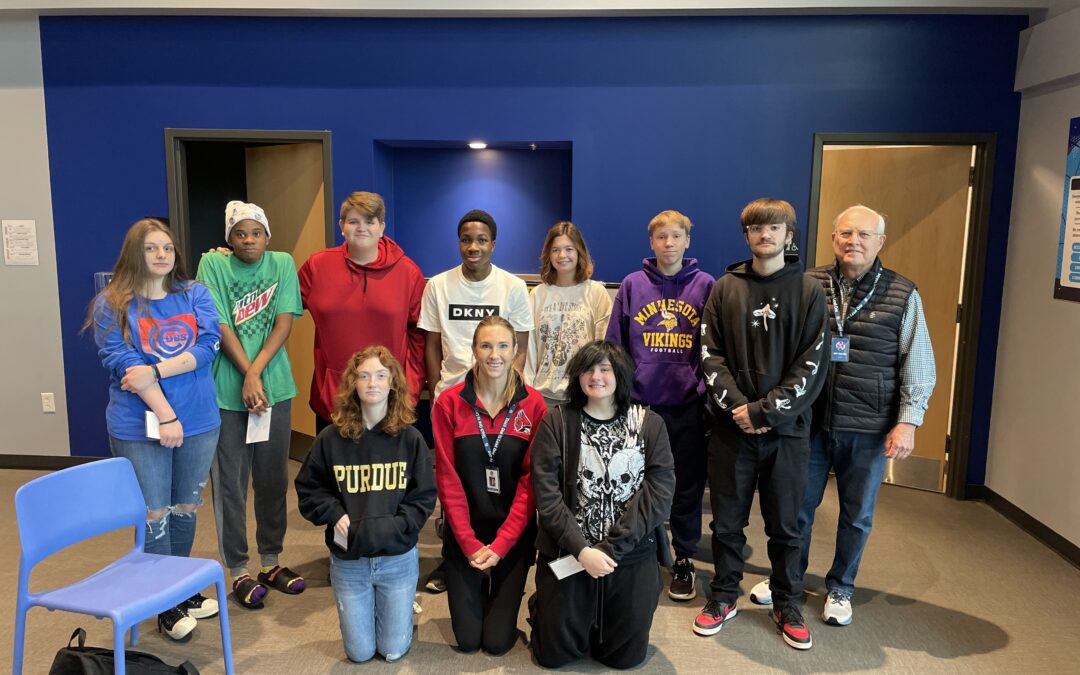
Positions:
{"x": 157, "y": 334}
{"x": 368, "y": 480}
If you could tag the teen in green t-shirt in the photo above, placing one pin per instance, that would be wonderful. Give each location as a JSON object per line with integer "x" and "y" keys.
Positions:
{"x": 257, "y": 295}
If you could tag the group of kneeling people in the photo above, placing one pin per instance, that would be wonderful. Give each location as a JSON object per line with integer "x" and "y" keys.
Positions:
{"x": 598, "y": 472}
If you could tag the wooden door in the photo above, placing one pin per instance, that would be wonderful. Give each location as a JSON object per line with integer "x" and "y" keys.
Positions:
{"x": 287, "y": 181}
{"x": 923, "y": 192}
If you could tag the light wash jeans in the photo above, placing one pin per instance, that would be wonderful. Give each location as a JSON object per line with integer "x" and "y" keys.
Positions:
{"x": 375, "y": 603}
{"x": 169, "y": 478}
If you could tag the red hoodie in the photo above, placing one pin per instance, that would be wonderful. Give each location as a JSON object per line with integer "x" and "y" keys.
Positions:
{"x": 355, "y": 306}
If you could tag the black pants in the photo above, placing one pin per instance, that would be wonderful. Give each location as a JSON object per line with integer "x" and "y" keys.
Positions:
{"x": 608, "y": 617}
{"x": 777, "y": 466}
{"x": 686, "y": 433}
{"x": 321, "y": 423}
{"x": 484, "y": 604}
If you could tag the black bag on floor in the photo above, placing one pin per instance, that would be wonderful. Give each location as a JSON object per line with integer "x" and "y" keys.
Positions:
{"x": 83, "y": 660}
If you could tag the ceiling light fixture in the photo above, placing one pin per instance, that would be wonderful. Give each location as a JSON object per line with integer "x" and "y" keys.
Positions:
{"x": 477, "y": 145}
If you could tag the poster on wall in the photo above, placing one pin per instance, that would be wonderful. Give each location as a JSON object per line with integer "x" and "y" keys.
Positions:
{"x": 1067, "y": 283}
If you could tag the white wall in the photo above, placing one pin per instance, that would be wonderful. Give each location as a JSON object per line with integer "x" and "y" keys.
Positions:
{"x": 1034, "y": 454}
{"x": 30, "y": 358}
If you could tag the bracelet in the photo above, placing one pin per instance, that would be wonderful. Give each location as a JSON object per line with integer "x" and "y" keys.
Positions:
{"x": 157, "y": 373}
{"x": 175, "y": 419}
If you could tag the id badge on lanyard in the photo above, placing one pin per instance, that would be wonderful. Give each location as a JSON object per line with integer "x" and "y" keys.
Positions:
{"x": 841, "y": 345}
{"x": 492, "y": 481}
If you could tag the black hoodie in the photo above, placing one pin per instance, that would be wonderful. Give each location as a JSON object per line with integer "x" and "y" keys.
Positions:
{"x": 385, "y": 483}
{"x": 764, "y": 343}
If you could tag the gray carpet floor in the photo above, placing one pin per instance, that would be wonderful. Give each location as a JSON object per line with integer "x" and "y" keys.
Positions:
{"x": 945, "y": 586}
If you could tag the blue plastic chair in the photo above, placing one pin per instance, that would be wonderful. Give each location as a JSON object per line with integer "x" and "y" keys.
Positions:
{"x": 81, "y": 502}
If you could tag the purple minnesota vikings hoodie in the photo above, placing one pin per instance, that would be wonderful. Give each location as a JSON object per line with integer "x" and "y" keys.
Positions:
{"x": 655, "y": 319}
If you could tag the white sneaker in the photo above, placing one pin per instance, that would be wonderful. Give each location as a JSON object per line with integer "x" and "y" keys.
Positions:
{"x": 837, "y": 610}
{"x": 176, "y": 623}
{"x": 761, "y": 594}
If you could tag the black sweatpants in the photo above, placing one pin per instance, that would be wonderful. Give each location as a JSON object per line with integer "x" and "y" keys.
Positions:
{"x": 686, "y": 433}
{"x": 777, "y": 466}
{"x": 608, "y": 617}
{"x": 484, "y": 604}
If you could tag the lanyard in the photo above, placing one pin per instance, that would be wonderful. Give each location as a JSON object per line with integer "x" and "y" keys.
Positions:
{"x": 483, "y": 434}
{"x": 838, "y": 291}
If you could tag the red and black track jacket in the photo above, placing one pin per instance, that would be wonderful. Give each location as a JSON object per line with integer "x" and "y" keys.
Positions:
{"x": 477, "y": 517}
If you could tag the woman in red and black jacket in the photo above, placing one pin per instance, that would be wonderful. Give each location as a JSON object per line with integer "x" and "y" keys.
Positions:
{"x": 483, "y": 429}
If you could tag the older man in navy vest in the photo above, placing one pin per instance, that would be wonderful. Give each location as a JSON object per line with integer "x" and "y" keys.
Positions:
{"x": 881, "y": 375}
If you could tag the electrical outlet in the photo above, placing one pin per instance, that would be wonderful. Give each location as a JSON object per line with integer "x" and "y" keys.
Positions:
{"x": 48, "y": 402}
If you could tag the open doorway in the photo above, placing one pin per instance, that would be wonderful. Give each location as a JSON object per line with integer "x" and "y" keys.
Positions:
{"x": 288, "y": 173}
{"x": 934, "y": 193}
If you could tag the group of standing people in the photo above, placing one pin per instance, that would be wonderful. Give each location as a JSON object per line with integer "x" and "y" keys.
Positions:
{"x": 568, "y": 428}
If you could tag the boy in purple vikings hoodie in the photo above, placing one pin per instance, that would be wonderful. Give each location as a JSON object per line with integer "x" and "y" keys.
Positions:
{"x": 655, "y": 318}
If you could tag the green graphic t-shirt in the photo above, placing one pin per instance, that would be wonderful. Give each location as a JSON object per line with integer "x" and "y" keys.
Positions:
{"x": 248, "y": 299}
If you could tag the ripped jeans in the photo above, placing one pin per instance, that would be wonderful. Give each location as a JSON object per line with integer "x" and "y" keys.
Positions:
{"x": 172, "y": 481}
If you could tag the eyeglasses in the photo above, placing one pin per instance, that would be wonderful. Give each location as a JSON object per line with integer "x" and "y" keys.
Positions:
{"x": 863, "y": 235}
{"x": 771, "y": 228}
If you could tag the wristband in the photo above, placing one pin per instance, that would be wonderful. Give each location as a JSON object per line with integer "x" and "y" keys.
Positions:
{"x": 157, "y": 373}
{"x": 175, "y": 419}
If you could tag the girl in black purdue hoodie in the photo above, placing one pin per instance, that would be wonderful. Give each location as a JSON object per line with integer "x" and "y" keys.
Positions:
{"x": 368, "y": 479}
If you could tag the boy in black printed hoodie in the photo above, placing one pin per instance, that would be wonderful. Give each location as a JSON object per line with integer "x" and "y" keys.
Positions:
{"x": 764, "y": 346}
{"x": 368, "y": 479}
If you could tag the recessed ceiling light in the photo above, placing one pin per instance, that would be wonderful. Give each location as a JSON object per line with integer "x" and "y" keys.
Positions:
{"x": 478, "y": 145}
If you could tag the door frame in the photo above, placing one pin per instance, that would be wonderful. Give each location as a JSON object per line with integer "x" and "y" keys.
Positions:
{"x": 969, "y": 311}
{"x": 176, "y": 170}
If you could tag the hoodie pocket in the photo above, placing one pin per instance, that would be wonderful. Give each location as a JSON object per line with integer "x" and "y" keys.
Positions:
{"x": 377, "y": 535}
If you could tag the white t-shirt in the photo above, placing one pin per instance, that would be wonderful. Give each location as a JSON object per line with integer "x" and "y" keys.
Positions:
{"x": 566, "y": 318}
{"x": 453, "y": 305}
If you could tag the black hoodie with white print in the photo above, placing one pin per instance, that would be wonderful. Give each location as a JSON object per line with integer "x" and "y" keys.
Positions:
{"x": 765, "y": 343}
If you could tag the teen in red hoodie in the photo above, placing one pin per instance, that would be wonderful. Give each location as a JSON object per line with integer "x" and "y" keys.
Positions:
{"x": 364, "y": 292}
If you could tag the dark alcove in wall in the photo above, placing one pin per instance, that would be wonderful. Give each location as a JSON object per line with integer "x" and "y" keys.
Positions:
{"x": 429, "y": 186}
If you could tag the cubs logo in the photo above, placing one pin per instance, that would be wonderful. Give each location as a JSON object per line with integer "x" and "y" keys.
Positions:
{"x": 522, "y": 424}
{"x": 168, "y": 337}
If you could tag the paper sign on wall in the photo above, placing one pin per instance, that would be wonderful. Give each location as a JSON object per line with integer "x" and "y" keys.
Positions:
{"x": 20, "y": 242}
{"x": 1067, "y": 283}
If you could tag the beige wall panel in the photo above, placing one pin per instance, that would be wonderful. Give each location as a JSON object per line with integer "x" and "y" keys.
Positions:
{"x": 923, "y": 193}
{"x": 287, "y": 181}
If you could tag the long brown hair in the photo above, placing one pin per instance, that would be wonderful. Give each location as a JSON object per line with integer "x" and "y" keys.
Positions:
{"x": 513, "y": 378}
{"x": 584, "y": 261}
{"x": 130, "y": 276}
{"x": 348, "y": 417}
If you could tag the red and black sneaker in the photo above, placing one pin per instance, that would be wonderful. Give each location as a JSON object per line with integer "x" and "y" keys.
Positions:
{"x": 711, "y": 619}
{"x": 789, "y": 623}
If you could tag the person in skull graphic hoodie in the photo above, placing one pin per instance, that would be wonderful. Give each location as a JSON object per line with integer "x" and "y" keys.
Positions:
{"x": 764, "y": 351}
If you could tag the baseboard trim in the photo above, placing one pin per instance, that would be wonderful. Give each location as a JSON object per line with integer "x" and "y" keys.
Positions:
{"x": 43, "y": 462}
{"x": 1057, "y": 543}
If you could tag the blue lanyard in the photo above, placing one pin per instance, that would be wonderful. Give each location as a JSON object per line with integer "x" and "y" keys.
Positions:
{"x": 498, "y": 439}
{"x": 838, "y": 291}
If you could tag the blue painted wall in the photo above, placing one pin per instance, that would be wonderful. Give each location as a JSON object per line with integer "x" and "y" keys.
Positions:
{"x": 698, "y": 114}
{"x": 525, "y": 192}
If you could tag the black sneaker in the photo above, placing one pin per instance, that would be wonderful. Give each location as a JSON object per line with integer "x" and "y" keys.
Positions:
{"x": 176, "y": 623}
{"x": 200, "y": 607}
{"x": 790, "y": 624}
{"x": 683, "y": 580}
{"x": 436, "y": 581}
{"x": 713, "y": 617}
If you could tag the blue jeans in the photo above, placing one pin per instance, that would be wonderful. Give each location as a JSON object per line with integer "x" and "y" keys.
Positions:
{"x": 375, "y": 603}
{"x": 171, "y": 480}
{"x": 859, "y": 463}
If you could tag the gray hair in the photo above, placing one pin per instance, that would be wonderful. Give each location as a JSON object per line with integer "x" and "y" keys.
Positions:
{"x": 860, "y": 207}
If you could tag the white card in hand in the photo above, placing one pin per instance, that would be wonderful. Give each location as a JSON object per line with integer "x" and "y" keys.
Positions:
{"x": 341, "y": 540}
{"x": 153, "y": 429}
{"x": 258, "y": 429}
{"x": 565, "y": 566}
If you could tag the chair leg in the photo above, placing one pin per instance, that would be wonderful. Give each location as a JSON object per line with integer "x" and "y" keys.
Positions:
{"x": 223, "y": 621}
{"x": 118, "y": 649}
{"x": 134, "y": 635}
{"x": 20, "y": 635}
